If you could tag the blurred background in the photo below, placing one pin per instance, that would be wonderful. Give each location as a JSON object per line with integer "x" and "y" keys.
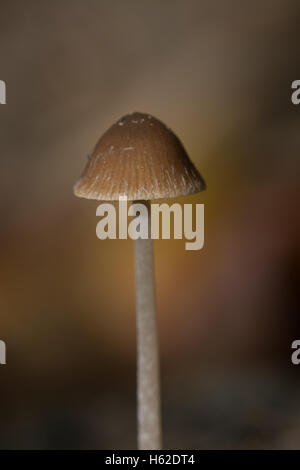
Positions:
{"x": 219, "y": 74}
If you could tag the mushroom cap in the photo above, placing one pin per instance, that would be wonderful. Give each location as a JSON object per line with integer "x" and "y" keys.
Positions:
{"x": 138, "y": 157}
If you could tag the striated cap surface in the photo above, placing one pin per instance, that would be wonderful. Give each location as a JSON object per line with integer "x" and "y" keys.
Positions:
{"x": 138, "y": 157}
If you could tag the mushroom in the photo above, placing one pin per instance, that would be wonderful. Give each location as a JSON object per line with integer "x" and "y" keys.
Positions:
{"x": 140, "y": 158}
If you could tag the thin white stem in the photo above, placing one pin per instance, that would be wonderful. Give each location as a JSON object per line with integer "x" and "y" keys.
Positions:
{"x": 148, "y": 383}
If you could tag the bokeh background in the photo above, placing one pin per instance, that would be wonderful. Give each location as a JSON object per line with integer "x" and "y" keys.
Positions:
{"x": 219, "y": 74}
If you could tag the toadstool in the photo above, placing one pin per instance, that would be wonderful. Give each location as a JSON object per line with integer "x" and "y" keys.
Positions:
{"x": 140, "y": 158}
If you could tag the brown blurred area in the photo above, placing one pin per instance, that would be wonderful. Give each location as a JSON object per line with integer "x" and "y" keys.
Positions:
{"x": 219, "y": 74}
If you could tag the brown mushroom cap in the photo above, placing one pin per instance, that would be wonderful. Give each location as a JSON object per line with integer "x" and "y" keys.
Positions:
{"x": 138, "y": 157}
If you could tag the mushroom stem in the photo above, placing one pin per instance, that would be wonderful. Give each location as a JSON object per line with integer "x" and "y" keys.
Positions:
{"x": 148, "y": 382}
